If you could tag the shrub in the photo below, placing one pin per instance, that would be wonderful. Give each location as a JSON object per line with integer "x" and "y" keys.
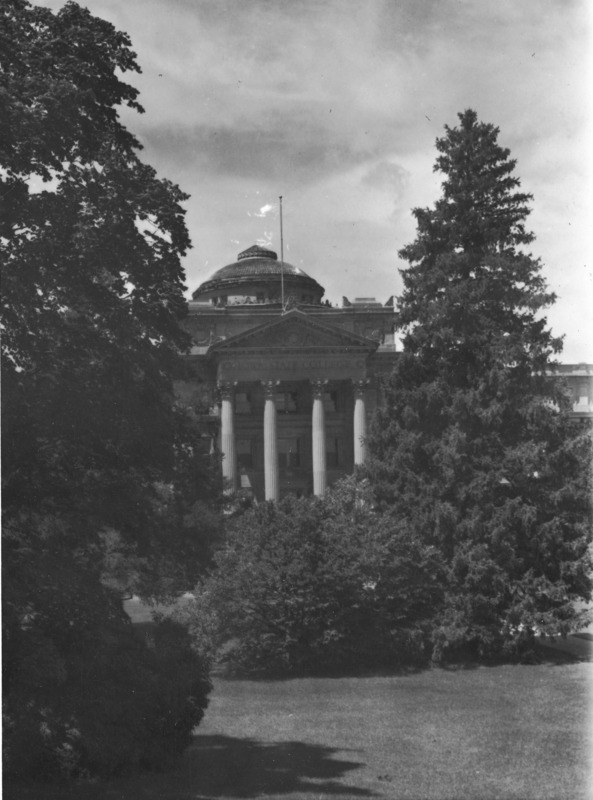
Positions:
{"x": 310, "y": 585}
{"x": 102, "y": 700}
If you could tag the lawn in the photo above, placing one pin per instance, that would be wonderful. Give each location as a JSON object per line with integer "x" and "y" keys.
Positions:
{"x": 491, "y": 732}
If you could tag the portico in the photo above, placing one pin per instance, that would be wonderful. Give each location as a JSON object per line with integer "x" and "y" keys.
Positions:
{"x": 293, "y": 405}
{"x": 288, "y": 457}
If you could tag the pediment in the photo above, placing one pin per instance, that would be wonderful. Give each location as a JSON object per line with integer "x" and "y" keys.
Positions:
{"x": 296, "y": 332}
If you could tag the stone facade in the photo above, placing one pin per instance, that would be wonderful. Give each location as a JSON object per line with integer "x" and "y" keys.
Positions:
{"x": 286, "y": 384}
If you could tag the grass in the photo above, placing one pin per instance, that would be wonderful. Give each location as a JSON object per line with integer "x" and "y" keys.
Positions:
{"x": 492, "y": 732}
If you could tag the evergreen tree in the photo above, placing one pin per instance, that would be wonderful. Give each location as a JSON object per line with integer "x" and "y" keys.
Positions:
{"x": 474, "y": 446}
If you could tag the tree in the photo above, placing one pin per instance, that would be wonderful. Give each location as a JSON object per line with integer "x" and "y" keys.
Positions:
{"x": 103, "y": 476}
{"x": 308, "y": 585}
{"x": 474, "y": 447}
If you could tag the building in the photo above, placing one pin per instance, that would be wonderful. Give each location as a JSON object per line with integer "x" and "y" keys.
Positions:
{"x": 579, "y": 380}
{"x": 285, "y": 382}
{"x": 296, "y": 380}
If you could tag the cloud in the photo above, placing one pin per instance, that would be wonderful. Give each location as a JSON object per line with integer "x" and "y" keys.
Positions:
{"x": 337, "y": 106}
{"x": 263, "y": 153}
{"x": 389, "y": 177}
{"x": 264, "y": 210}
{"x": 265, "y": 240}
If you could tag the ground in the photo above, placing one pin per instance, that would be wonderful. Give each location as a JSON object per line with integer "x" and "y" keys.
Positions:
{"x": 505, "y": 732}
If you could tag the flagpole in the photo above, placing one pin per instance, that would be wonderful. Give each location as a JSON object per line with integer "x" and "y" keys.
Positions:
{"x": 281, "y": 256}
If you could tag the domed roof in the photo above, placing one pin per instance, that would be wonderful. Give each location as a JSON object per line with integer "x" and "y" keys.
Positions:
{"x": 255, "y": 268}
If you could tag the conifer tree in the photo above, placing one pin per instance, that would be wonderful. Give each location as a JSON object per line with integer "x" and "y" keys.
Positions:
{"x": 475, "y": 446}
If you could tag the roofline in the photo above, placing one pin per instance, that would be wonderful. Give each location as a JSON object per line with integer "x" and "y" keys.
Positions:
{"x": 266, "y": 278}
{"x": 370, "y": 345}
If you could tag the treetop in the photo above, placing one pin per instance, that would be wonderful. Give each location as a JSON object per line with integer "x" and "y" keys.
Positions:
{"x": 480, "y": 211}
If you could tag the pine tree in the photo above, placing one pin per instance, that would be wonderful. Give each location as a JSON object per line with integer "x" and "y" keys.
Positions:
{"x": 475, "y": 446}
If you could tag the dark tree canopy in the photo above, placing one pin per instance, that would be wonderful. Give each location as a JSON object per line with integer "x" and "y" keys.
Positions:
{"x": 475, "y": 446}
{"x": 104, "y": 483}
{"x": 92, "y": 294}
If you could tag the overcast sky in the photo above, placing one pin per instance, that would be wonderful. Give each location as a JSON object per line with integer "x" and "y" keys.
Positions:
{"x": 336, "y": 106}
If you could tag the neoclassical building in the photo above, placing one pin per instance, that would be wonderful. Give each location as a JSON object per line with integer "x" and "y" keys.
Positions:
{"x": 290, "y": 385}
{"x": 286, "y": 383}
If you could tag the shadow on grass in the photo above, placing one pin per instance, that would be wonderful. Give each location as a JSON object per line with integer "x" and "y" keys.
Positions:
{"x": 542, "y": 656}
{"x": 379, "y": 671}
{"x": 459, "y": 661}
{"x": 222, "y": 767}
{"x": 558, "y": 658}
{"x": 227, "y": 766}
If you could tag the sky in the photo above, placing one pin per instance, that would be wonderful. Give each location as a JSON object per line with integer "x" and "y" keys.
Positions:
{"x": 336, "y": 106}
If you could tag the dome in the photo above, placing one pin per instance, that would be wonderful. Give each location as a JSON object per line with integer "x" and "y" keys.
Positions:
{"x": 257, "y": 273}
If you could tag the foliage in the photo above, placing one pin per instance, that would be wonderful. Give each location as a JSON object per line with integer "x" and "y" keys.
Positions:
{"x": 474, "y": 448}
{"x": 100, "y": 699}
{"x": 105, "y": 487}
{"x": 310, "y": 585}
{"x": 92, "y": 299}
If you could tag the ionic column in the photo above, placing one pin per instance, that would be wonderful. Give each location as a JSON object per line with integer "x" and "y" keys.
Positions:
{"x": 270, "y": 441}
{"x": 360, "y": 422}
{"x": 318, "y": 425}
{"x": 227, "y": 435}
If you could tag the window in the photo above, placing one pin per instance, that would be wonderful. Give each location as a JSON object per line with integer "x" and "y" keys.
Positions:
{"x": 286, "y": 402}
{"x": 581, "y": 391}
{"x": 243, "y": 403}
{"x": 244, "y": 453}
{"x": 331, "y": 452}
{"x": 330, "y": 402}
{"x": 289, "y": 453}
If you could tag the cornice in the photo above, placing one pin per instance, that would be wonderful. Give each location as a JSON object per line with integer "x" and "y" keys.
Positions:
{"x": 295, "y": 332}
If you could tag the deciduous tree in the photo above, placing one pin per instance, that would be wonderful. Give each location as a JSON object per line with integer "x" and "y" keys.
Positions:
{"x": 103, "y": 478}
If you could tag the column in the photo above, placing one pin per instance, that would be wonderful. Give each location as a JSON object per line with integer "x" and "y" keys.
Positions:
{"x": 270, "y": 441}
{"x": 227, "y": 436}
{"x": 318, "y": 425}
{"x": 360, "y": 422}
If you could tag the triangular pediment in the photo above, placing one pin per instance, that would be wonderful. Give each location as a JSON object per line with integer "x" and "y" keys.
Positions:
{"x": 298, "y": 332}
